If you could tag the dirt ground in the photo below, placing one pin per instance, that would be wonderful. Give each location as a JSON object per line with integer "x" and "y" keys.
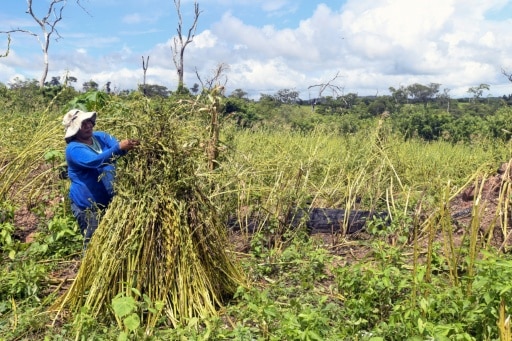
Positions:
{"x": 488, "y": 202}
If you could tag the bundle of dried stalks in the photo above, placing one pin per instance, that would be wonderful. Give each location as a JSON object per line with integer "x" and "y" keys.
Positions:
{"x": 161, "y": 235}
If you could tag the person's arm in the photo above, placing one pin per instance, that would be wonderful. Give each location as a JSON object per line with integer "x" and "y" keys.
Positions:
{"x": 128, "y": 144}
{"x": 111, "y": 141}
{"x": 82, "y": 156}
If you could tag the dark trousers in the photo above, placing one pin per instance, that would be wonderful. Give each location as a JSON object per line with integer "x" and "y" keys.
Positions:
{"x": 87, "y": 219}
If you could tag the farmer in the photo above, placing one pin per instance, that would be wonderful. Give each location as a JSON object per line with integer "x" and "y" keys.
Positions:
{"x": 90, "y": 159}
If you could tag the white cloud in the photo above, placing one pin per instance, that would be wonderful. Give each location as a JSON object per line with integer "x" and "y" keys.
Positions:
{"x": 372, "y": 44}
{"x": 274, "y": 5}
{"x": 139, "y": 18}
{"x": 6, "y": 70}
{"x": 133, "y": 18}
{"x": 237, "y": 47}
{"x": 205, "y": 40}
{"x": 17, "y": 76}
{"x": 272, "y": 74}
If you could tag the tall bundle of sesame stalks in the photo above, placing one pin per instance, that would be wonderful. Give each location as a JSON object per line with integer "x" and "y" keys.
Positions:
{"x": 161, "y": 240}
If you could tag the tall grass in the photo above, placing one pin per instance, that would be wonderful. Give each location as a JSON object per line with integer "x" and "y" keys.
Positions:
{"x": 30, "y": 147}
{"x": 328, "y": 170}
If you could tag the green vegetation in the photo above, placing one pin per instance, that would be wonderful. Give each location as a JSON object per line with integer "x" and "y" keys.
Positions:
{"x": 418, "y": 276}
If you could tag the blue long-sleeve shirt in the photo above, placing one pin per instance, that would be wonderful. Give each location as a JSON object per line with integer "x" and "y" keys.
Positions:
{"x": 92, "y": 173}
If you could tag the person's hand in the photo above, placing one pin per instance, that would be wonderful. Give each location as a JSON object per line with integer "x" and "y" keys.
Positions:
{"x": 128, "y": 144}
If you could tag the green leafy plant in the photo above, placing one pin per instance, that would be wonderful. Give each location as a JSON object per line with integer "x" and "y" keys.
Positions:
{"x": 89, "y": 101}
{"x": 125, "y": 310}
{"x": 7, "y": 229}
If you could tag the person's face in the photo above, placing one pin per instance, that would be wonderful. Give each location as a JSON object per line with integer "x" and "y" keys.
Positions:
{"x": 86, "y": 130}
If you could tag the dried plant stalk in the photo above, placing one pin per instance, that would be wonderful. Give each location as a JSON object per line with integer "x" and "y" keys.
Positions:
{"x": 161, "y": 235}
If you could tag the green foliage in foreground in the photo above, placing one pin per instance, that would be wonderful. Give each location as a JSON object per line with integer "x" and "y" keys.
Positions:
{"x": 304, "y": 293}
{"x": 392, "y": 285}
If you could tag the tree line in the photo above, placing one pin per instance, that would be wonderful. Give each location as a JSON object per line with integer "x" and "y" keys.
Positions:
{"x": 415, "y": 111}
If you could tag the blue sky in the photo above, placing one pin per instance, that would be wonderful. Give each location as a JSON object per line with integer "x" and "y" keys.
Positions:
{"x": 273, "y": 44}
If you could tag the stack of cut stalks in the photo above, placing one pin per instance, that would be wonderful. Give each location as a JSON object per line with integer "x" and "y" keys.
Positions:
{"x": 161, "y": 237}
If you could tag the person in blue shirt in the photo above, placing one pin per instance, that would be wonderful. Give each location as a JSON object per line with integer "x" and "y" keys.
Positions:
{"x": 90, "y": 157}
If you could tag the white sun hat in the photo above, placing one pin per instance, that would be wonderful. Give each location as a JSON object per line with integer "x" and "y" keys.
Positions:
{"x": 73, "y": 119}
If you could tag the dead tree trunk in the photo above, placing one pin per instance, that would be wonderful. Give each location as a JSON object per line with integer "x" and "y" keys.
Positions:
{"x": 48, "y": 27}
{"x": 180, "y": 43}
{"x": 48, "y": 24}
{"x": 145, "y": 64}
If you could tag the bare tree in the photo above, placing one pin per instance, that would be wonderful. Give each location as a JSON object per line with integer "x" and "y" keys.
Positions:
{"x": 48, "y": 24}
{"x": 214, "y": 80}
{"x": 179, "y": 43}
{"x": 145, "y": 65}
{"x": 324, "y": 86}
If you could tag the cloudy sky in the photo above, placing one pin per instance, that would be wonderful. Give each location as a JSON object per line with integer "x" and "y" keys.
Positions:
{"x": 273, "y": 44}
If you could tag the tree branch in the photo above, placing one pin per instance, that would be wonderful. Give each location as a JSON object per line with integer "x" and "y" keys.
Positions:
{"x": 199, "y": 78}
{"x": 192, "y": 30}
{"x": 324, "y": 86}
{"x": 19, "y": 30}
{"x": 508, "y": 75}
{"x": 8, "y": 47}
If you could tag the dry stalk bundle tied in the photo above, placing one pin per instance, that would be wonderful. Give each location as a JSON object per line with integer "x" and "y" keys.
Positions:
{"x": 161, "y": 235}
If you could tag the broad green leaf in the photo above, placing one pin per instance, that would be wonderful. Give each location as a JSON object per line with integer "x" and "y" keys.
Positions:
{"x": 136, "y": 292}
{"x": 123, "y": 306}
{"x": 132, "y": 322}
{"x": 421, "y": 326}
{"x": 122, "y": 336}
